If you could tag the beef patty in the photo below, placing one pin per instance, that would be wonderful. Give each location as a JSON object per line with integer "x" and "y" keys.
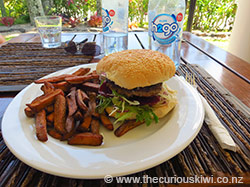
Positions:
{"x": 139, "y": 91}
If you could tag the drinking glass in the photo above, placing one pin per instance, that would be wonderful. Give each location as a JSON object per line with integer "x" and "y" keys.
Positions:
{"x": 49, "y": 28}
{"x": 115, "y": 25}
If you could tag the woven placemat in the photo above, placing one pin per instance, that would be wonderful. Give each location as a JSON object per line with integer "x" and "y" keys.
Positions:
{"x": 22, "y": 63}
{"x": 202, "y": 157}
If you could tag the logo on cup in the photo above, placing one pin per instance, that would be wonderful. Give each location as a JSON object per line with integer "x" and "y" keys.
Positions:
{"x": 106, "y": 19}
{"x": 111, "y": 12}
{"x": 179, "y": 17}
{"x": 165, "y": 28}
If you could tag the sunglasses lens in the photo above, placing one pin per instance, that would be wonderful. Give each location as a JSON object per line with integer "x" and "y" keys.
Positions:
{"x": 70, "y": 47}
{"x": 91, "y": 49}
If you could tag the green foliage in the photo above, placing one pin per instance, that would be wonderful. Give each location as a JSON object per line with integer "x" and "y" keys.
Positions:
{"x": 74, "y": 8}
{"x": 22, "y": 19}
{"x": 17, "y": 9}
{"x": 214, "y": 15}
{"x": 210, "y": 15}
{"x": 138, "y": 11}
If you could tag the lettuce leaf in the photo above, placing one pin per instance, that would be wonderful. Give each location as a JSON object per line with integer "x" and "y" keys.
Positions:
{"x": 104, "y": 102}
{"x": 142, "y": 113}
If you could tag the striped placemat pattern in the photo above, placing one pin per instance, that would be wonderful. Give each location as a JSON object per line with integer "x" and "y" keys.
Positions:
{"x": 202, "y": 157}
{"x": 22, "y": 63}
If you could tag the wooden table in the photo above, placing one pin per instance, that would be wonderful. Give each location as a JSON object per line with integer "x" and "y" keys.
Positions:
{"x": 226, "y": 70}
{"x": 230, "y": 71}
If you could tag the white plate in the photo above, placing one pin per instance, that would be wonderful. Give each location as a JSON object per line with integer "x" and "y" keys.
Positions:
{"x": 139, "y": 149}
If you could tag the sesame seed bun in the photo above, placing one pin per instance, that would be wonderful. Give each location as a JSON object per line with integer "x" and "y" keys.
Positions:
{"x": 136, "y": 68}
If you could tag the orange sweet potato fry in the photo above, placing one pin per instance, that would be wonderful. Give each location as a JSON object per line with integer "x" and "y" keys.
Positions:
{"x": 93, "y": 87}
{"x": 71, "y": 102}
{"x": 68, "y": 135}
{"x": 64, "y": 86}
{"x": 47, "y": 87}
{"x": 53, "y": 79}
{"x": 38, "y": 98}
{"x": 41, "y": 127}
{"x": 106, "y": 122}
{"x": 45, "y": 100}
{"x": 86, "y": 138}
{"x": 126, "y": 126}
{"x": 92, "y": 104}
{"x": 95, "y": 126}
{"x": 71, "y": 127}
{"x": 29, "y": 112}
{"x": 81, "y": 71}
{"x": 50, "y": 117}
{"x": 85, "y": 97}
{"x": 81, "y": 79}
{"x": 54, "y": 134}
{"x": 49, "y": 108}
{"x": 60, "y": 114}
{"x": 84, "y": 126}
{"x": 70, "y": 124}
{"x": 79, "y": 100}
{"x": 93, "y": 73}
{"x": 78, "y": 115}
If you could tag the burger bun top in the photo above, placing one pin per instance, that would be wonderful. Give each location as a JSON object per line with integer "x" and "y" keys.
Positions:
{"x": 136, "y": 68}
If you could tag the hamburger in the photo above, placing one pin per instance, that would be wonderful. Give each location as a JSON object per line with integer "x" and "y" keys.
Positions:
{"x": 133, "y": 85}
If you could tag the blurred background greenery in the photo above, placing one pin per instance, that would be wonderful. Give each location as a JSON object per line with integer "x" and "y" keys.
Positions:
{"x": 210, "y": 15}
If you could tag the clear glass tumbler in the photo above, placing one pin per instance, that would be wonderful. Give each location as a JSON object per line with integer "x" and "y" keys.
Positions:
{"x": 115, "y": 25}
{"x": 49, "y": 28}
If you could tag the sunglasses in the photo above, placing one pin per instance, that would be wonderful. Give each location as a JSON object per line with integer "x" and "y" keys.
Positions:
{"x": 84, "y": 47}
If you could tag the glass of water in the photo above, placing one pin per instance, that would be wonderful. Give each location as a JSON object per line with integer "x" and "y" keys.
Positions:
{"x": 49, "y": 28}
{"x": 115, "y": 25}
